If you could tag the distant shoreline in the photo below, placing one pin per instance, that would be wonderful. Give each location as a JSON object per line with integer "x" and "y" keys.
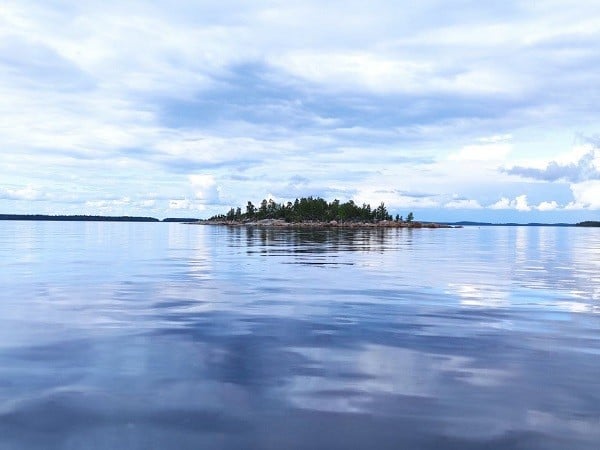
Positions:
{"x": 89, "y": 218}
{"x": 530, "y": 224}
{"x": 283, "y": 224}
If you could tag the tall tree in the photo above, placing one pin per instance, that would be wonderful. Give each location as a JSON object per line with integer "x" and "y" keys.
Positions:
{"x": 262, "y": 210}
{"x": 250, "y": 210}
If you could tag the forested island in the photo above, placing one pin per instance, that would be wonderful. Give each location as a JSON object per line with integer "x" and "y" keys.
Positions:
{"x": 317, "y": 212}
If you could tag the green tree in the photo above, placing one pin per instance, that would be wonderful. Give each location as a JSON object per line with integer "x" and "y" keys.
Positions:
{"x": 381, "y": 212}
{"x": 410, "y": 217}
{"x": 250, "y": 210}
{"x": 311, "y": 208}
{"x": 334, "y": 210}
{"x": 262, "y": 210}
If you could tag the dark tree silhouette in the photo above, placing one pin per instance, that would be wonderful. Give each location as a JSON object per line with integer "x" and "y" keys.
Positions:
{"x": 250, "y": 210}
{"x": 308, "y": 209}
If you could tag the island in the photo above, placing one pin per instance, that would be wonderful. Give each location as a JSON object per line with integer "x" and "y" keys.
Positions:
{"x": 588, "y": 223}
{"x": 76, "y": 218}
{"x": 316, "y": 212}
{"x": 180, "y": 219}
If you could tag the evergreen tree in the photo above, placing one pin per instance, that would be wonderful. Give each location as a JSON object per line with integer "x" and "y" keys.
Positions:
{"x": 381, "y": 212}
{"x": 262, "y": 210}
{"x": 250, "y": 210}
{"x": 312, "y": 209}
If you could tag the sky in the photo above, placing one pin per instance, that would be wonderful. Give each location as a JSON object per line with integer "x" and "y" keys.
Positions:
{"x": 454, "y": 110}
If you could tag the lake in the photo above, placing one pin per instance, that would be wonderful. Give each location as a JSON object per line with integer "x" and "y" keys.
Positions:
{"x": 155, "y": 336}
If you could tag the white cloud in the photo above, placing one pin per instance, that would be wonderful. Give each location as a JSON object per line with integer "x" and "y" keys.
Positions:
{"x": 573, "y": 206}
{"x": 351, "y": 70}
{"x": 374, "y": 194}
{"x": 580, "y": 164}
{"x": 392, "y": 72}
{"x": 503, "y": 203}
{"x": 205, "y": 188}
{"x": 106, "y": 204}
{"x": 147, "y": 203}
{"x": 183, "y": 203}
{"x": 547, "y": 206}
{"x": 495, "y": 151}
{"x": 586, "y": 195}
{"x": 463, "y": 204}
{"x": 519, "y": 203}
{"x": 25, "y": 193}
{"x": 579, "y": 152}
{"x": 496, "y": 138}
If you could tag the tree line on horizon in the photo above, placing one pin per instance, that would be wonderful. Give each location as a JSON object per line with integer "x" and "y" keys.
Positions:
{"x": 311, "y": 209}
{"x": 76, "y": 218}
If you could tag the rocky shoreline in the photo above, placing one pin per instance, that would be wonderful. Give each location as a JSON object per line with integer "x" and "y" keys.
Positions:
{"x": 278, "y": 223}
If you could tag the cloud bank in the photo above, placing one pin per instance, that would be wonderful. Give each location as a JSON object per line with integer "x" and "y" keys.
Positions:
{"x": 191, "y": 107}
{"x": 587, "y": 167}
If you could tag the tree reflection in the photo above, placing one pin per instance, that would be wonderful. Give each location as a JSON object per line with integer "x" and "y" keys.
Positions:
{"x": 274, "y": 240}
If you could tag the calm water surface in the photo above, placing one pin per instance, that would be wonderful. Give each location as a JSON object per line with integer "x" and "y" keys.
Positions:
{"x": 143, "y": 336}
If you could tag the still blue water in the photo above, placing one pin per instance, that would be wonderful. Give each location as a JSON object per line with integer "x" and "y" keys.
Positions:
{"x": 142, "y": 336}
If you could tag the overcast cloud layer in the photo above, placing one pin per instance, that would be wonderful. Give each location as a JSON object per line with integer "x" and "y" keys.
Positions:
{"x": 454, "y": 110}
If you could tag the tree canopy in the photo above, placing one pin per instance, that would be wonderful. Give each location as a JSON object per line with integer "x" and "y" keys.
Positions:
{"x": 309, "y": 209}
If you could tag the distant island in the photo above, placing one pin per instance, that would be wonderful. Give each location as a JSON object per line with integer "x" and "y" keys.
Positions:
{"x": 76, "y": 218}
{"x": 589, "y": 223}
{"x": 512, "y": 224}
{"x": 86, "y": 218}
{"x": 317, "y": 212}
{"x": 529, "y": 224}
{"x": 180, "y": 219}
